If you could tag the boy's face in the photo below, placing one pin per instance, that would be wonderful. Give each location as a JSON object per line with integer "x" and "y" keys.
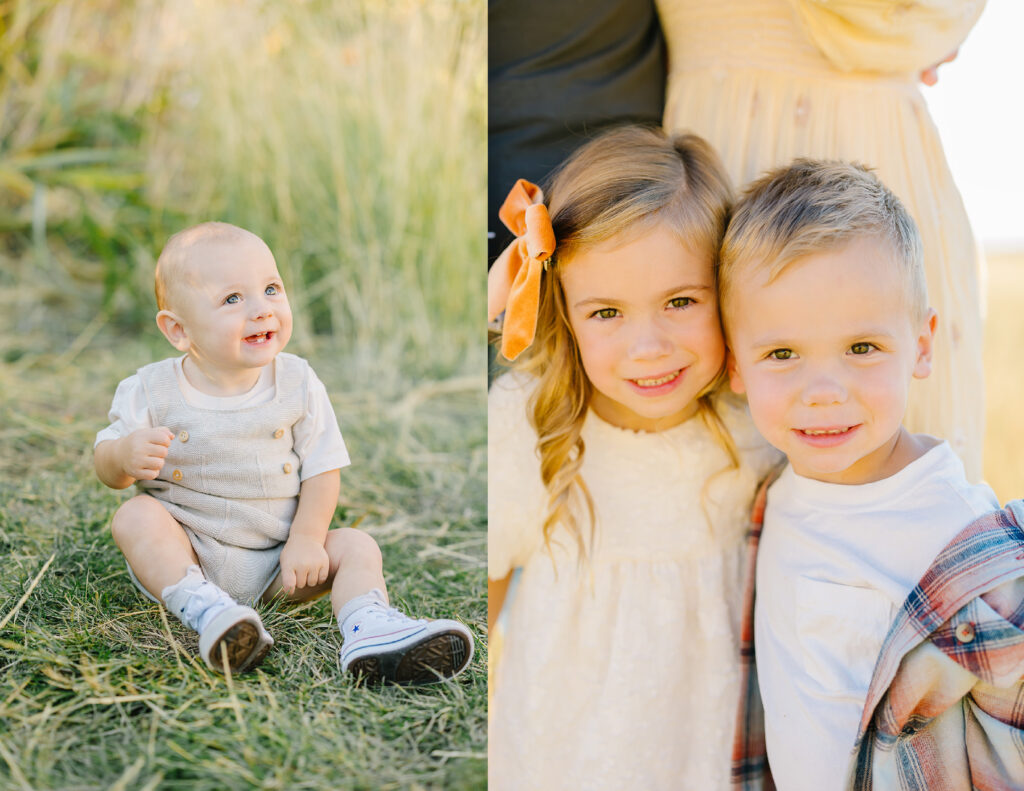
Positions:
{"x": 645, "y": 317}
{"x": 233, "y": 311}
{"x": 825, "y": 354}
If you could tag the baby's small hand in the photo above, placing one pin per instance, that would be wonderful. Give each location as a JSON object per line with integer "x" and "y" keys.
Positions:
{"x": 304, "y": 564}
{"x": 145, "y": 451}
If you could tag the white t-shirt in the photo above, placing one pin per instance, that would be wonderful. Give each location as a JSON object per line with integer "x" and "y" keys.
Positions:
{"x": 834, "y": 566}
{"x": 318, "y": 441}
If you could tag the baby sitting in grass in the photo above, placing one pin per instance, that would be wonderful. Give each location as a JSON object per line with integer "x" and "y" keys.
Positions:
{"x": 235, "y": 449}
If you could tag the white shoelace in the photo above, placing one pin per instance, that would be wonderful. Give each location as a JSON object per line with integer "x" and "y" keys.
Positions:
{"x": 391, "y": 614}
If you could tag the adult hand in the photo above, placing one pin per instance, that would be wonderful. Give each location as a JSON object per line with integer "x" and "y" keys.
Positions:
{"x": 304, "y": 564}
{"x": 930, "y": 76}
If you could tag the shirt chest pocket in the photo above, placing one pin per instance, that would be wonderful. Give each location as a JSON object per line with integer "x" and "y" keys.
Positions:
{"x": 840, "y": 630}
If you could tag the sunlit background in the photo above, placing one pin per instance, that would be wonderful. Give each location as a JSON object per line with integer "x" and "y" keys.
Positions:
{"x": 350, "y": 135}
{"x": 978, "y": 105}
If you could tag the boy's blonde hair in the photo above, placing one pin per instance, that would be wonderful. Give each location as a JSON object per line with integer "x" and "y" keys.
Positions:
{"x": 172, "y": 267}
{"x": 813, "y": 206}
{"x": 628, "y": 180}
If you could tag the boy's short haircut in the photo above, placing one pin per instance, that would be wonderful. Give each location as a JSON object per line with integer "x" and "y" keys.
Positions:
{"x": 813, "y": 206}
{"x": 172, "y": 265}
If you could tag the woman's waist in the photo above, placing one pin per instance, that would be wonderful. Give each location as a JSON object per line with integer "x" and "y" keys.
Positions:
{"x": 762, "y": 33}
{"x": 747, "y": 67}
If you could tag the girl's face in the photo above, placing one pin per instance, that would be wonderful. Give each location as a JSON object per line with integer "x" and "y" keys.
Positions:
{"x": 645, "y": 316}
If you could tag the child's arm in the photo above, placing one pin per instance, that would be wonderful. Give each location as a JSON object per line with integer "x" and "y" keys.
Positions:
{"x": 137, "y": 457}
{"x": 304, "y": 560}
{"x": 496, "y": 590}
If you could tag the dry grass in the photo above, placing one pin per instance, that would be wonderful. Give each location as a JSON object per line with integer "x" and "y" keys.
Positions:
{"x": 1004, "y": 376}
{"x": 99, "y": 689}
{"x": 351, "y": 136}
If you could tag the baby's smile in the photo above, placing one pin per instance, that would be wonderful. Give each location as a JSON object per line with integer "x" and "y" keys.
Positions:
{"x": 260, "y": 338}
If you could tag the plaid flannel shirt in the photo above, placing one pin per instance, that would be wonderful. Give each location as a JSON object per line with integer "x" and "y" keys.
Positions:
{"x": 945, "y": 709}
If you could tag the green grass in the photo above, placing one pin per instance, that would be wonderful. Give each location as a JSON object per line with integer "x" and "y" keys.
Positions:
{"x": 351, "y": 137}
{"x": 99, "y": 687}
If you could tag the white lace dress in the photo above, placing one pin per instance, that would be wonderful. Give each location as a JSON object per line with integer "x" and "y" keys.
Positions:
{"x": 622, "y": 674}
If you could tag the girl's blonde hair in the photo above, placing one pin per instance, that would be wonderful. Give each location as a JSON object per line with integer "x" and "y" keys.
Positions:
{"x": 630, "y": 179}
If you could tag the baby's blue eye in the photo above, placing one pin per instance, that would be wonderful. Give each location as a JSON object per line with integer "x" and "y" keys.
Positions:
{"x": 270, "y": 290}
{"x": 781, "y": 354}
{"x": 862, "y": 348}
{"x": 680, "y": 302}
{"x": 232, "y": 299}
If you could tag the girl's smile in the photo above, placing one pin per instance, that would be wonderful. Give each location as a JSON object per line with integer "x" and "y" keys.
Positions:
{"x": 658, "y": 385}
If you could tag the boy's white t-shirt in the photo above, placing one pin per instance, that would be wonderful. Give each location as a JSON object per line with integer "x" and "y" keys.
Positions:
{"x": 835, "y": 563}
{"x": 317, "y": 439}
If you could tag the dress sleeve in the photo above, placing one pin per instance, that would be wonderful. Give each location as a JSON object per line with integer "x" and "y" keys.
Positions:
{"x": 516, "y": 496}
{"x": 887, "y": 36}
{"x": 128, "y": 412}
{"x": 317, "y": 439}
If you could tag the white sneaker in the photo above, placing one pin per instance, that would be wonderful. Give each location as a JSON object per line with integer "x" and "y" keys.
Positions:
{"x": 383, "y": 644}
{"x": 220, "y": 620}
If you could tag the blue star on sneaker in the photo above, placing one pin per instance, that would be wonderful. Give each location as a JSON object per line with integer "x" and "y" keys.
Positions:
{"x": 355, "y": 628}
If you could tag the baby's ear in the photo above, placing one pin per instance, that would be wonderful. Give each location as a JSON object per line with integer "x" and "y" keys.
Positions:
{"x": 735, "y": 381}
{"x": 925, "y": 344}
{"x": 173, "y": 329}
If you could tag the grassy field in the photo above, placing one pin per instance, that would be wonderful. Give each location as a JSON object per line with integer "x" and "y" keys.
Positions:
{"x": 316, "y": 125}
{"x": 100, "y": 690}
{"x": 1004, "y": 376}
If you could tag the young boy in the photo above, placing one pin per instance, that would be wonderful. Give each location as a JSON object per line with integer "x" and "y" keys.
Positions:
{"x": 889, "y": 591}
{"x": 236, "y": 450}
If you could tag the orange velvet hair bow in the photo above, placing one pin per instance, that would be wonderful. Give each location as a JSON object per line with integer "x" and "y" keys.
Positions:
{"x": 513, "y": 284}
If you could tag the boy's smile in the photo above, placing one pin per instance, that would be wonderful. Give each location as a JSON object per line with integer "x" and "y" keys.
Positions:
{"x": 234, "y": 317}
{"x": 825, "y": 353}
{"x": 645, "y": 318}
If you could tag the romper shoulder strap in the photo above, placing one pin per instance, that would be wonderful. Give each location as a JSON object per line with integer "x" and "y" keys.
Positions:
{"x": 161, "y": 387}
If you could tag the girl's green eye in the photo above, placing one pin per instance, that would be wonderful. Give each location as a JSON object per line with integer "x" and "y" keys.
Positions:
{"x": 606, "y": 313}
{"x": 781, "y": 354}
{"x": 861, "y": 348}
{"x": 680, "y": 302}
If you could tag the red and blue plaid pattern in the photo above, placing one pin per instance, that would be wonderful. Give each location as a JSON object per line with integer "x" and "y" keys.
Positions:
{"x": 945, "y": 709}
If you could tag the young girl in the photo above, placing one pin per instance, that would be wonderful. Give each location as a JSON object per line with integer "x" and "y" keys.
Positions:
{"x": 620, "y": 477}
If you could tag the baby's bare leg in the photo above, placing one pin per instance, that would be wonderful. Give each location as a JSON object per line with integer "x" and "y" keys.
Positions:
{"x": 153, "y": 543}
{"x": 356, "y": 568}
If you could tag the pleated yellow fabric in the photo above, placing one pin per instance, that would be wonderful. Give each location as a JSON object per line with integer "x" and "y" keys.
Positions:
{"x": 768, "y": 80}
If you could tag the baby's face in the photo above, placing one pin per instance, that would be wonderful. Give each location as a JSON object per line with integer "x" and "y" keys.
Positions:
{"x": 233, "y": 306}
{"x": 825, "y": 354}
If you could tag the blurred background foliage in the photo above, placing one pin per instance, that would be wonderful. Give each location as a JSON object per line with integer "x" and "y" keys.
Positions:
{"x": 350, "y": 136}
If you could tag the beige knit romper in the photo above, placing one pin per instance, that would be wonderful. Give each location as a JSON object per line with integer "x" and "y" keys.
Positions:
{"x": 231, "y": 478}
